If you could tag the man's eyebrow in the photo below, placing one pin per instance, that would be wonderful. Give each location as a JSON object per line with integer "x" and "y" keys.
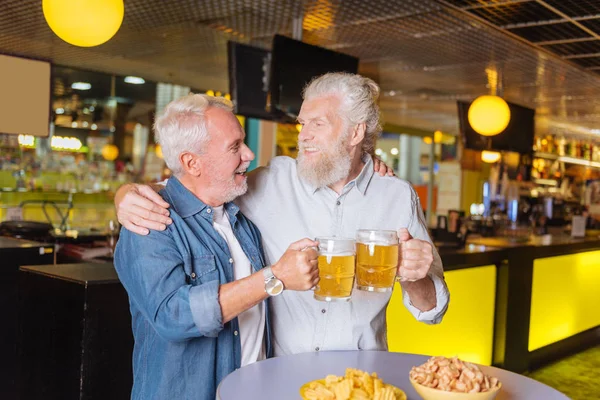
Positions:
{"x": 236, "y": 143}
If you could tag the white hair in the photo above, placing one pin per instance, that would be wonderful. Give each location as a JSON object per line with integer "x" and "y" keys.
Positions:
{"x": 359, "y": 97}
{"x": 182, "y": 127}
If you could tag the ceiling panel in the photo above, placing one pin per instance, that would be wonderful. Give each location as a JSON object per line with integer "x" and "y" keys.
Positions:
{"x": 593, "y": 24}
{"x": 543, "y": 33}
{"x": 576, "y": 8}
{"x": 588, "y": 61}
{"x": 574, "y": 48}
{"x": 515, "y": 13}
{"x": 480, "y": 3}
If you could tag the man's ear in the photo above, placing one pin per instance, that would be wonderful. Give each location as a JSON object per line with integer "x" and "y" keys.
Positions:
{"x": 358, "y": 134}
{"x": 191, "y": 163}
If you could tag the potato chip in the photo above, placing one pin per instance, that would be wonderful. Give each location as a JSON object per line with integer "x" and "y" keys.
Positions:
{"x": 354, "y": 385}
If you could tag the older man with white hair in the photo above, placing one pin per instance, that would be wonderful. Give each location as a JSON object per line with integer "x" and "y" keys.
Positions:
{"x": 331, "y": 189}
{"x": 197, "y": 289}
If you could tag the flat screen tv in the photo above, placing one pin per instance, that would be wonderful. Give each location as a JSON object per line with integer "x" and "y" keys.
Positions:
{"x": 248, "y": 79}
{"x": 293, "y": 65}
{"x": 518, "y": 135}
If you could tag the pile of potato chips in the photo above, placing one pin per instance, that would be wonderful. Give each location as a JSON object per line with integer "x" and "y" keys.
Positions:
{"x": 356, "y": 385}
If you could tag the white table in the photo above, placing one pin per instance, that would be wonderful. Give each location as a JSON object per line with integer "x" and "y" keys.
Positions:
{"x": 281, "y": 377}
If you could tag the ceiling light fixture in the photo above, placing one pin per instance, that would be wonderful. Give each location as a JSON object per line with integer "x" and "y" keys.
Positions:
{"x": 84, "y": 23}
{"x": 489, "y": 115}
{"x": 134, "y": 80}
{"x": 490, "y": 157}
{"x": 81, "y": 86}
{"x": 26, "y": 140}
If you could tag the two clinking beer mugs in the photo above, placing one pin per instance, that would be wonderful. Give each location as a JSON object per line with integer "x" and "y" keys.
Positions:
{"x": 372, "y": 258}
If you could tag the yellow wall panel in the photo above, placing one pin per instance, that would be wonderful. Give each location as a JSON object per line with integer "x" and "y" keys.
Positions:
{"x": 467, "y": 330}
{"x": 565, "y": 297}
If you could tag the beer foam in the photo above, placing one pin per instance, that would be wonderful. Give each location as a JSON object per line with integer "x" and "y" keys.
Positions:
{"x": 324, "y": 253}
{"x": 377, "y": 243}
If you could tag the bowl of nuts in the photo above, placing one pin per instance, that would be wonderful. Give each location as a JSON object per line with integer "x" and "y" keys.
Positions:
{"x": 442, "y": 378}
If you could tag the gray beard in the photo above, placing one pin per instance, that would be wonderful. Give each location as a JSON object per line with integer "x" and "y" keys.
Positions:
{"x": 326, "y": 171}
{"x": 231, "y": 190}
{"x": 235, "y": 191}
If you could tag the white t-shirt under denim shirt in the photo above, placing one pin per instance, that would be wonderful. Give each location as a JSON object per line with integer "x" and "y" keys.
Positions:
{"x": 252, "y": 321}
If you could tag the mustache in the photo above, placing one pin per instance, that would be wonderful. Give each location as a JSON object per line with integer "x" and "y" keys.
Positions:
{"x": 244, "y": 167}
{"x": 303, "y": 146}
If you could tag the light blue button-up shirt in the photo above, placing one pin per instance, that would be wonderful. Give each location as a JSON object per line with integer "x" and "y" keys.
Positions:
{"x": 287, "y": 209}
{"x": 182, "y": 348}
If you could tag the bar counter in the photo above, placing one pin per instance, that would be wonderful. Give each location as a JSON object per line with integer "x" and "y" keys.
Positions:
{"x": 14, "y": 253}
{"x": 513, "y": 304}
{"x": 75, "y": 339}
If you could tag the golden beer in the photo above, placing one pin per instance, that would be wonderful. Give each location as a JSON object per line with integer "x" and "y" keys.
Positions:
{"x": 376, "y": 266}
{"x": 336, "y": 273}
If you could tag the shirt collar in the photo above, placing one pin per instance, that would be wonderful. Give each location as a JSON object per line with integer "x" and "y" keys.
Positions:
{"x": 185, "y": 203}
{"x": 361, "y": 181}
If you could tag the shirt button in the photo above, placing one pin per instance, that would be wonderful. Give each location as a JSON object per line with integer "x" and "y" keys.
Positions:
{"x": 317, "y": 349}
{"x": 193, "y": 275}
{"x": 323, "y": 311}
{"x": 208, "y": 210}
{"x": 338, "y": 203}
{"x": 231, "y": 261}
{"x": 235, "y": 333}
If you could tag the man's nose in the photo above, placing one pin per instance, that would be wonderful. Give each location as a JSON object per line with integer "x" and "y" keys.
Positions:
{"x": 247, "y": 154}
{"x": 304, "y": 134}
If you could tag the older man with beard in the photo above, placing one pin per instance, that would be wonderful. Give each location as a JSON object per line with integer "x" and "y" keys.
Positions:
{"x": 197, "y": 289}
{"x": 331, "y": 189}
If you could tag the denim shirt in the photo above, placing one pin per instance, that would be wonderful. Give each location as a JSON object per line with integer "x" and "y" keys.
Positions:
{"x": 182, "y": 348}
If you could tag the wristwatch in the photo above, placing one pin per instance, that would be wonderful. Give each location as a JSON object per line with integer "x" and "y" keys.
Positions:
{"x": 273, "y": 286}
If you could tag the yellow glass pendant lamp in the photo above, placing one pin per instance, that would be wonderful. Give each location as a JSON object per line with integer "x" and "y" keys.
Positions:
{"x": 84, "y": 23}
{"x": 489, "y": 115}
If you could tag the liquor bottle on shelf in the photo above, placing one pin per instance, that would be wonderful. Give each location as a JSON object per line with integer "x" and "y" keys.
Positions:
{"x": 561, "y": 146}
{"x": 573, "y": 152}
{"x": 596, "y": 153}
{"x": 586, "y": 151}
{"x": 551, "y": 145}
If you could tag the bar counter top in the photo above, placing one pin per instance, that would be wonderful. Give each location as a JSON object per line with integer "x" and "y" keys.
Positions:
{"x": 492, "y": 250}
{"x": 82, "y": 273}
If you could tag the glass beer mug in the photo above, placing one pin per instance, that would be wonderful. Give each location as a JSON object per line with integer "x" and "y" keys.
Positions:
{"x": 376, "y": 260}
{"x": 336, "y": 268}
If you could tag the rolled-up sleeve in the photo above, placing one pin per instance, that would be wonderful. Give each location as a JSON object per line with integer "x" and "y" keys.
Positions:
{"x": 206, "y": 310}
{"x": 151, "y": 268}
{"x": 435, "y": 315}
{"x": 418, "y": 230}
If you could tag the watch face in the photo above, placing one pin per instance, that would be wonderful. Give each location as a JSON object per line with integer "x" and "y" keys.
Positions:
{"x": 274, "y": 287}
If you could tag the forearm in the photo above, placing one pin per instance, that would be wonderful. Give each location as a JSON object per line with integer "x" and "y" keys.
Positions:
{"x": 241, "y": 295}
{"x": 422, "y": 293}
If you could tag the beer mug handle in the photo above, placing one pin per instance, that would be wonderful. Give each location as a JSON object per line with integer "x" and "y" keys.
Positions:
{"x": 317, "y": 250}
